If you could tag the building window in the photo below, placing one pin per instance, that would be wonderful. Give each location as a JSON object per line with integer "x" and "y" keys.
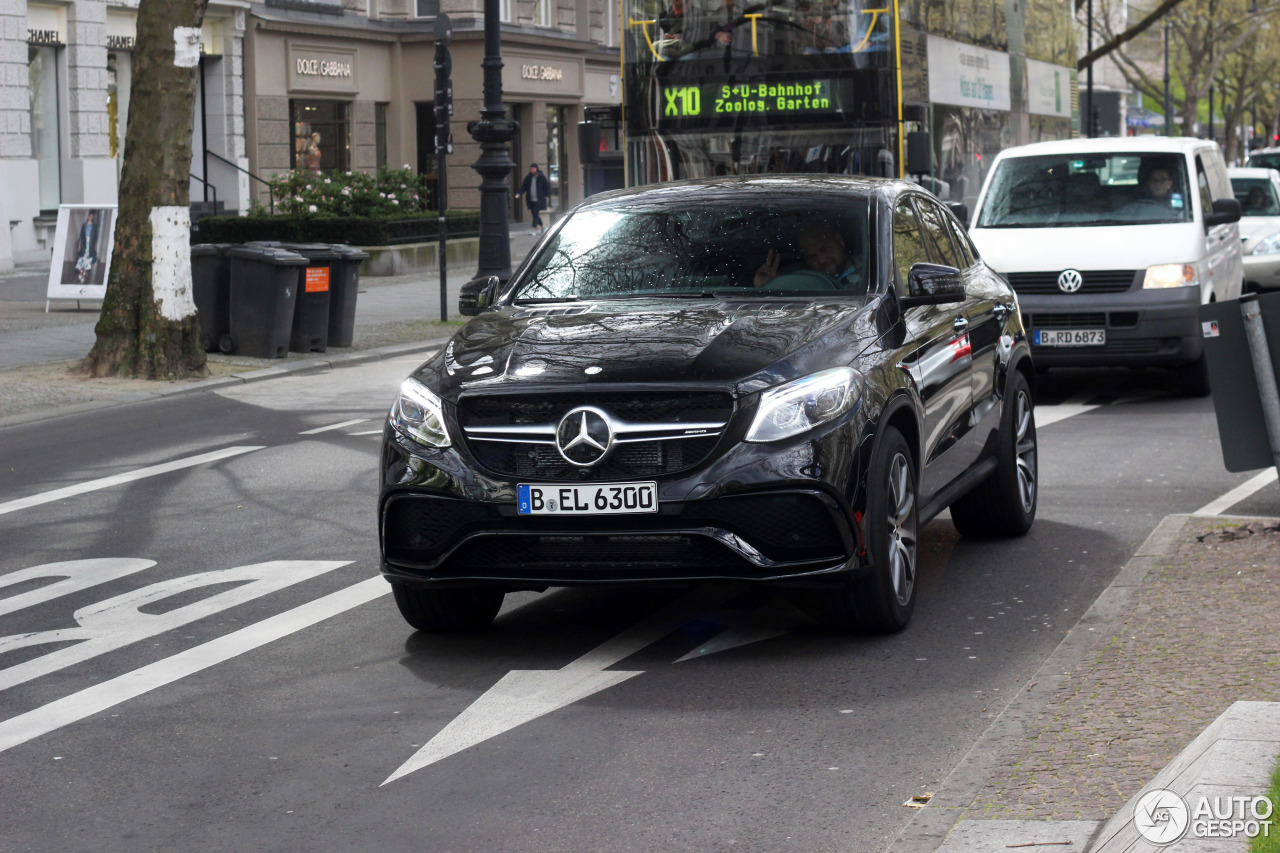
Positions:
{"x": 504, "y": 11}
{"x": 611, "y": 23}
{"x": 380, "y": 135}
{"x": 426, "y": 8}
{"x": 542, "y": 13}
{"x": 42, "y": 80}
{"x": 321, "y": 135}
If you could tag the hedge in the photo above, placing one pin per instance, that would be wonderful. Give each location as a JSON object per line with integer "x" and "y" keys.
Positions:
{"x": 357, "y": 231}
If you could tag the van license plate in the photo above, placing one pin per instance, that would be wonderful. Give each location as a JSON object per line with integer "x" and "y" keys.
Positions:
{"x": 603, "y": 499}
{"x": 1070, "y": 337}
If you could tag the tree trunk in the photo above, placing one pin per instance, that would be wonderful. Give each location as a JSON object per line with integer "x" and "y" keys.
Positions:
{"x": 148, "y": 326}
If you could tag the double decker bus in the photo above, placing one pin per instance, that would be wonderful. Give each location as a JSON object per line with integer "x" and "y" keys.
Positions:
{"x": 716, "y": 87}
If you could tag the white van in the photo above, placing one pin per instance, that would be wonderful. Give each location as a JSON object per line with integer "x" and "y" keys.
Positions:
{"x": 1112, "y": 245}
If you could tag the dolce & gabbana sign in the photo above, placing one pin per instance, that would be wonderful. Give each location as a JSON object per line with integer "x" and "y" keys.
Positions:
{"x": 322, "y": 69}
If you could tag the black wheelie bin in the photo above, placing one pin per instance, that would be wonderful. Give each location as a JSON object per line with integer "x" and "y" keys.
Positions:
{"x": 344, "y": 284}
{"x": 264, "y": 289}
{"x": 311, "y": 316}
{"x": 211, "y": 290}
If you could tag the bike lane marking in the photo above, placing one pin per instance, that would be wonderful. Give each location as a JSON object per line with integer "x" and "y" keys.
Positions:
{"x": 120, "y": 479}
{"x": 93, "y": 700}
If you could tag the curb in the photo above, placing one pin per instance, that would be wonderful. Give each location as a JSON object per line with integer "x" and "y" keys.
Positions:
{"x": 929, "y": 828}
{"x": 304, "y": 365}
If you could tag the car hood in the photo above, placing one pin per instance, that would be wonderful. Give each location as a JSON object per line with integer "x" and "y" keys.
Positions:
{"x": 748, "y": 344}
{"x": 1107, "y": 247}
{"x": 1254, "y": 228}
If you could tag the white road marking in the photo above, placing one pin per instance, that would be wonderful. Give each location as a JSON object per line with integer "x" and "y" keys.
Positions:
{"x": 96, "y": 699}
{"x": 120, "y": 479}
{"x": 755, "y": 628}
{"x": 318, "y": 430}
{"x": 377, "y": 431}
{"x": 117, "y": 622}
{"x": 1046, "y": 415}
{"x": 76, "y": 575}
{"x": 1239, "y": 493}
{"x": 523, "y": 695}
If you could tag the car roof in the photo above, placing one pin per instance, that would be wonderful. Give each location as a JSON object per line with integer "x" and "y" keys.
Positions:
{"x": 1110, "y": 145}
{"x": 1264, "y": 151}
{"x": 764, "y": 186}
{"x": 1249, "y": 172}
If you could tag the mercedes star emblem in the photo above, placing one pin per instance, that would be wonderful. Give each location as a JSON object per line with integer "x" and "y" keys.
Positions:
{"x": 584, "y": 436}
{"x": 1069, "y": 281}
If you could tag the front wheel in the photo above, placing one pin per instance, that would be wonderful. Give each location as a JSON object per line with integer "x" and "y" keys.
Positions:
{"x": 882, "y": 601}
{"x": 444, "y": 611}
{"x": 1005, "y": 503}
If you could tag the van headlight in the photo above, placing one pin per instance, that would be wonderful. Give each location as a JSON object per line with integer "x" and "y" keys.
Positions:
{"x": 805, "y": 403}
{"x": 1269, "y": 246}
{"x": 419, "y": 415}
{"x": 1169, "y": 275}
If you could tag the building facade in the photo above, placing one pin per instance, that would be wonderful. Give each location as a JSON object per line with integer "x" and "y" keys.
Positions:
{"x": 65, "y": 72}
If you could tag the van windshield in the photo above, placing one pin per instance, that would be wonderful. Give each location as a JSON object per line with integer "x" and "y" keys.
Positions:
{"x": 1087, "y": 190}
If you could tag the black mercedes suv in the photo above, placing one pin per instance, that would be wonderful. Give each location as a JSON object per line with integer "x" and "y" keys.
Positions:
{"x": 769, "y": 379}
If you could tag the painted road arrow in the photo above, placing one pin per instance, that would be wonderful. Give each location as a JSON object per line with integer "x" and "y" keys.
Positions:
{"x": 523, "y": 695}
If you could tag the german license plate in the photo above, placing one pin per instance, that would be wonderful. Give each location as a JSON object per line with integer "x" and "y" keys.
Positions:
{"x": 1070, "y": 337}
{"x": 603, "y": 499}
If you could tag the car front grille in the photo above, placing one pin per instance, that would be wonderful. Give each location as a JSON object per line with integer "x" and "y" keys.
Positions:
{"x": 1092, "y": 320}
{"x": 659, "y": 433}
{"x": 1093, "y": 281}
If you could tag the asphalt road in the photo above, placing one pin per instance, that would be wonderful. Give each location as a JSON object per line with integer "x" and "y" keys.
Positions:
{"x": 230, "y": 673}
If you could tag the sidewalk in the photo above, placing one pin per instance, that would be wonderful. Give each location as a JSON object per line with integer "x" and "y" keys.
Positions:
{"x": 37, "y": 349}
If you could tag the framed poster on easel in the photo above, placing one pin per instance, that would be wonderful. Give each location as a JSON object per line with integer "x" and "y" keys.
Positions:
{"x": 82, "y": 245}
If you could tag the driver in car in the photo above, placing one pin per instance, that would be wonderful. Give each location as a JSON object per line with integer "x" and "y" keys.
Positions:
{"x": 822, "y": 249}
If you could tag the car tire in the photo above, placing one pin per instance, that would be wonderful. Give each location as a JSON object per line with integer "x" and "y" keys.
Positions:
{"x": 881, "y": 600}
{"x": 444, "y": 611}
{"x": 1193, "y": 378}
{"x": 1004, "y": 504}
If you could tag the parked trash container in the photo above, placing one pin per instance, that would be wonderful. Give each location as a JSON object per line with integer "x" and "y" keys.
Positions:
{"x": 311, "y": 314}
{"x": 264, "y": 289}
{"x": 211, "y": 290}
{"x": 344, "y": 284}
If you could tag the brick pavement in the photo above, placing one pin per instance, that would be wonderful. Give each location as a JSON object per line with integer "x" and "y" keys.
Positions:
{"x": 1200, "y": 635}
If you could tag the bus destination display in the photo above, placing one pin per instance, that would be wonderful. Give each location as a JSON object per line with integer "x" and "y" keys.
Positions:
{"x": 716, "y": 103}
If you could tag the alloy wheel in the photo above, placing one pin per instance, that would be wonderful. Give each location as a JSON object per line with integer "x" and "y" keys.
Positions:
{"x": 1025, "y": 442}
{"x": 902, "y": 528}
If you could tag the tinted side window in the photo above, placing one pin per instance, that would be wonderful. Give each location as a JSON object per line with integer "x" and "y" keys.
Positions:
{"x": 1216, "y": 170}
{"x": 908, "y": 243}
{"x": 938, "y": 235}
{"x": 1202, "y": 185}
{"x": 967, "y": 253}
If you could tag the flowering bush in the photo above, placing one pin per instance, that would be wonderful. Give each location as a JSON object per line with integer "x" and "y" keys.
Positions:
{"x": 392, "y": 192}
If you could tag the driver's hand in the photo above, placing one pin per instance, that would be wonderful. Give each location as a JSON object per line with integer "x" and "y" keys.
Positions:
{"x": 768, "y": 270}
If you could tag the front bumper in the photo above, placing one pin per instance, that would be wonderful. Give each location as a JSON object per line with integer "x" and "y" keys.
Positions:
{"x": 1144, "y": 328}
{"x": 1262, "y": 272}
{"x": 779, "y": 512}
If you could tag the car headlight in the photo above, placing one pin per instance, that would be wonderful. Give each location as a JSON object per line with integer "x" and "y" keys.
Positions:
{"x": 1170, "y": 275}
{"x": 419, "y": 415}
{"x": 1268, "y": 246}
{"x": 805, "y": 403}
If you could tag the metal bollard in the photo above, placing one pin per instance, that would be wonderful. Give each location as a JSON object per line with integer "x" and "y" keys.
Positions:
{"x": 1263, "y": 371}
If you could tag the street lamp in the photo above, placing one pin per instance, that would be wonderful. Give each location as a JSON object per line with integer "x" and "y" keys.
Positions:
{"x": 493, "y": 131}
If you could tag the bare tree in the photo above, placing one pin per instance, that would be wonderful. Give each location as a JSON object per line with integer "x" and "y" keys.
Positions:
{"x": 148, "y": 326}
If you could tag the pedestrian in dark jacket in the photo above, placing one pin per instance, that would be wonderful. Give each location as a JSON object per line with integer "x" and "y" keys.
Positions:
{"x": 535, "y": 190}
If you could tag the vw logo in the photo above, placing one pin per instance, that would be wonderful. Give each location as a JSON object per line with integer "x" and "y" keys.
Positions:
{"x": 1069, "y": 281}
{"x": 584, "y": 436}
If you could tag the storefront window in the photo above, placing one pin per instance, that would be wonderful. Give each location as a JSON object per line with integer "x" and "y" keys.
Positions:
{"x": 119, "y": 79}
{"x": 321, "y": 135}
{"x": 42, "y": 76}
{"x": 555, "y": 156}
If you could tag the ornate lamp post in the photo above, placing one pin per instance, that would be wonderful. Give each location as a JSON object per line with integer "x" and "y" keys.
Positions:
{"x": 493, "y": 131}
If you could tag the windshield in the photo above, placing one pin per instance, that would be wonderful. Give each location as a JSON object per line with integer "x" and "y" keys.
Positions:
{"x": 1270, "y": 160}
{"x": 1097, "y": 189}
{"x": 741, "y": 245}
{"x": 1257, "y": 196}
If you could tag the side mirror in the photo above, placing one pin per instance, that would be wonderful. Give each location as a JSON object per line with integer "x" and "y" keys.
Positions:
{"x": 477, "y": 295}
{"x": 933, "y": 284}
{"x": 960, "y": 210}
{"x": 1225, "y": 210}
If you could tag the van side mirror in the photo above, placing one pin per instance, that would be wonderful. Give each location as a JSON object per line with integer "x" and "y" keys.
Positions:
{"x": 933, "y": 284}
{"x": 1225, "y": 210}
{"x": 960, "y": 210}
{"x": 477, "y": 295}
